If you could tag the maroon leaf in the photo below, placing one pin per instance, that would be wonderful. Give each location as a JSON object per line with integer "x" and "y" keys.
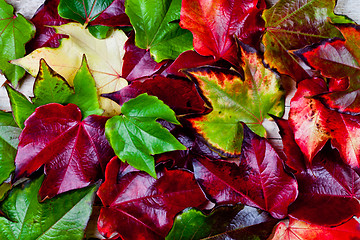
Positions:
{"x": 137, "y": 206}
{"x": 328, "y": 191}
{"x": 74, "y": 152}
{"x": 113, "y": 16}
{"x": 138, "y": 62}
{"x": 179, "y": 94}
{"x": 47, "y": 15}
{"x": 259, "y": 181}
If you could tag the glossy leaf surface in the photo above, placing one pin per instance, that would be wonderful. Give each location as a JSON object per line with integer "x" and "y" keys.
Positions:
{"x": 238, "y": 222}
{"x": 135, "y": 135}
{"x": 30, "y": 219}
{"x": 16, "y": 31}
{"x": 138, "y": 206}
{"x": 157, "y": 29}
{"x": 259, "y": 180}
{"x": 215, "y": 23}
{"x": 293, "y": 25}
{"x": 235, "y": 100}
{"x": 74, "y": 152}
{"x": 104, "y": 60}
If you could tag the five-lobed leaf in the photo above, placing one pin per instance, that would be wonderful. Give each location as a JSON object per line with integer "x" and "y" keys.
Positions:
{"x": 62, "y": 217}
{"x": 135, "y": 135}
{"x": 16, "y": 31}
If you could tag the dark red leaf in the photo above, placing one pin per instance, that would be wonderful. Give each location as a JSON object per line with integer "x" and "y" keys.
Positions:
{"x": 259, "y": 181}
{"x": 179, "y": 94}
{"x": 137, "y": 206}
{"x": 74, "y": 152}
{"x": 113, "y": 16}
{"x": 47, "y": 15}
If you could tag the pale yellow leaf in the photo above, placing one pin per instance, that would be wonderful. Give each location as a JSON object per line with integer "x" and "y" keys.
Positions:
{"x": 105, "y": 59}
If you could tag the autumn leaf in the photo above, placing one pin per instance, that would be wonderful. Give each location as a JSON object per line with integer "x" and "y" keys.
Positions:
{"x": 135, "y": 135}
{"x": 235, "y": 100}
{"x": 16, "y": 31}
{"x": 293, "y": 229}
{"x": 62, "y": 217}
{"x": 104, "y": 60}
{"x": 74, "y": 151}
{"x": 259, "y": 180}
{"x": 138, "y": 206}
{"x": 156, "y": 27}
{"x": 215, "y": 23}
{"x": 295, "y": 25}
{"x": 227, "y": 222}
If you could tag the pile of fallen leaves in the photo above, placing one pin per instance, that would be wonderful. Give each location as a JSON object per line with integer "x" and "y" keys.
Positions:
{"x": 153, "y": 111}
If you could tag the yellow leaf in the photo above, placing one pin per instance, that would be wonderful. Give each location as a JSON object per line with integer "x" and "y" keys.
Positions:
{"x": 105, "y": 59}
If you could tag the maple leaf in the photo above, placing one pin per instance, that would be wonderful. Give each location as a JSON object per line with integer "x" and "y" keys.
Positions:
{"x": 137, "y": 206}
{"x": 235, "y": 100}
{"x": 104, "y": 60}
{"x": 293, "y": 229}
{"x": 9, "y": 133}
{"x": 237, "y": 222}
{"x": 65, "y": 217}
{"x": 259, "y": 181}
{"x": 157, "y": 29}
{"x": 294, "y": 26}
{"x": 340, "y": 60}
{"x": 314, "y": 124}
{"x": 135, "y": 135}
{"x": 16, "y": 31}
{"x": 215, "y": 23}
{"x": 74, "y": 152}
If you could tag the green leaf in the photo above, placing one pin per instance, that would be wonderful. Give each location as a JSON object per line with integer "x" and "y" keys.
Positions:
{"x": 135, "y": 135}
{"x": 9, "y": 134}
{"x": 62, "y": 217}
{"x": 237, "y": 222}
{"x": 100, "y": 32}
{"x": 157, "y": 28}
{"x": 50, "y": 87}
{"x": 235, "y": 100}
{"x": 15, "y": 32}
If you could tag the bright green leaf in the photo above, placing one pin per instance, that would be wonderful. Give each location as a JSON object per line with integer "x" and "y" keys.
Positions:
{"x": 235, "y": 100}
{"x": 9, "y": 134}
{"x": 135, "y": 135}
{"x": 15, "y": 32}
{"x": 62, "y": 217}
{"x": 157, "y": 28}
{"x": 99, "y": 31}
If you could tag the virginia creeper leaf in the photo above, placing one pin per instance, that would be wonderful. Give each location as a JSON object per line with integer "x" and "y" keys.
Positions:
{"x": 137, "y": 206}
{"x": 295, "y": 24}
{"x": 156, "y": 27}
{"x": 329, "y": 191}
{"x": 293, "y": 229}
{"x": 179, "y": 94}
{"x": 259, "y": 181}
{"x": 215, "y": 23}
{"x": 113, "y": 16}
{"x": 314, "y": 124}
{"x": 135, "y": 135}
{"x": 235, "y": 100}
{"x": 74, "y": 152}
{"x": 63, "y": 217}
{"x": 9, "y": 133}
{"x": 16, "y": 31}
{"x": 104, "y": 60}
{"x": 238, "y": 222}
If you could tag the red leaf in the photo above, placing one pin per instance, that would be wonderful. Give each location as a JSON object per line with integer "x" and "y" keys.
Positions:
{"x": 47, "y": 15}
{"x": 297, "y": 230}
{"x": 74, "y": 152}
{"x": 328, "y": 191}
{"x": 138, "y": 62}
{"x": 215, "y": 23}
{"x": 259, "y": 181}
{"x": 137, "y": 206}
{"x": 113, "y": 16}
{"x": 179, "y": 94}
